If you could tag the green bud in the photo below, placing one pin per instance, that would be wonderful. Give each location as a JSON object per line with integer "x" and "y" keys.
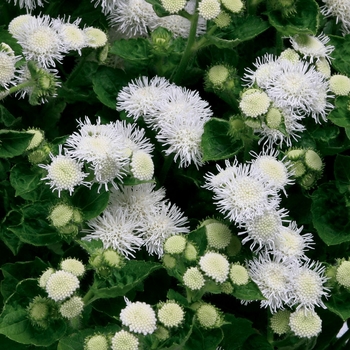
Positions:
{"x": 41, "y": 311}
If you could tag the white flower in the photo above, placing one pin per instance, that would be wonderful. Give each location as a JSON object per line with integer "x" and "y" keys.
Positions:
{"x": 133, "y": 138}
{"x": 263, "y": 229}
{"x": 254, "y": 102}
{"x": 71, "y": 35}
{"x": 71, "y": 308}
{"x": 107, "y": 5}
{"x": 115, "y": 229}
{"x": 18, "y": 23}
{"x": 138, "y": 200}
{"x": 183, "y": 139}
{"x": 233, "y": 6}
{"x": 28, "y": 4}
{"x": 272, "y": 276}
{"x": 343, "y": 274}
{"x": 290, "y": 244}
{"x": 124, "y": 340}
{"x": 95, "y": 37}
{"x": 45, "y": 277}
{"x": 193, "y": 278}
{"x": 171, "y": 314}
{"x": 312, "y": 46}
{"x": 61, "y": 285}
{"x": 7, "y": 66}
{"x": 139, "y": 317}
{"x": 239, "y": 275}
{"x": 208, "y": 316}
{"x": 266, "y": 69}
{"x": 308, "y": 289}
{"x": 40, "y": 41}
{"x": 277, "y": 172}
{"x": 339, "y": 9}
{"x": 279, "y": 322}
{"x": 173, "y": 6}
{"x": 300, "y": 87}
{"x": 141, "y": 165}
{"x": 175, "y": 244}
{"x": 73, "y": 266}
{"x": 132, "y": 17}
{"x": 215, "y": 265}
{"x": 245, "y": 194}
{"x": 209, "y": 9}
{"x": 166, "y": 220}
{"x": 218, "y": 235}
{"x": 64, "y": 173}
{"x": 179, "y": 101}
{"x": 305, "y": 323}
{"x": 139, "y": 97}
{"x": 339, "y": 84}
{"x": 97, "y": 342}
{"x": 102, "y": 148}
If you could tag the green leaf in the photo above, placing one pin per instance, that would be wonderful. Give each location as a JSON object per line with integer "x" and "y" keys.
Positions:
{"x": 90, "y": 201}
{"x": 16, "y": 272}
{"x": 34, "y": 228}
{"x": 25, "y": 179}
{"x": 14, "y": 322}
{"x": 246, "y": 28}
{"x": 7, "y": 343}
{"x": 341, "y": 53}
{"x": 91, "y": 246}
{"x": 133, "y": 50}
{"x": 340, "y": 114}
{"x": 339, "y": 303}
{"x": 11, "y": 240}
{"x": 330, "y": 216}
{"x": 204, "y": 339}
{"x": 107, "y": 82}
{"x": 216, "y": 142}
{"x": 199, "y": 237}
{"x": 124, "y": 280}
{"x": 342, "y": 173}
{"x": 236, "y": 332}
{"x": 13, "y": 143}
{"x": 249, "y": 291}
{"x": 305, "y": 20}
{"x": 7, "y": 118}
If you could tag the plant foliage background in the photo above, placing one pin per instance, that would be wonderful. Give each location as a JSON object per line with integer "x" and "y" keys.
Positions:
{"x": 85, "y": 83}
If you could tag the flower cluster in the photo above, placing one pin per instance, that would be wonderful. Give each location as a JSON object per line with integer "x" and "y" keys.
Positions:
{"x": 137, "y": 216}
{"x": 249, "y": 196}
{"x": 286, "y": 89}
{"x": 110, "y": 152}
{"x": 177, "y": 115}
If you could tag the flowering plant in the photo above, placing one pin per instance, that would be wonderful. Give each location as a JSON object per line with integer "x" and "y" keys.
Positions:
{"x": 174, "y": 174}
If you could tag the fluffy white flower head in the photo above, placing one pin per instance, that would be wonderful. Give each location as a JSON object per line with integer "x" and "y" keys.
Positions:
{"x": 279, "y": 322}
{"x": 171, "y": 314}
{"x": 343, "y": 274}
{"x": 173, "y": 6}
{"x": 71, "y": 308}
{"x": 239, "y": 275}
{"x": 208, "y": 316}
{"x": 124, "y": 340}
{"x": 64, "y": 173}
{"x": 96, "y": 342}
{"x": 61, "y": 285}
{"x": 7, "y": 65}
{"x": 339, "y": 84}
{"x": 305, "y": 323}
{"x": 73, "y": 266}
{"x": 209, "y": 9}
{"x": 308, "y": 284}
{"x": 175, "y": 244}
{"x": 139, "y": 317}
{"x": 95, "y": 37}
{"x": 116, "y": 230}
{"x": 28, "y": 4}
{"x": 254, "y": 103}
{"x": 142, "y": 166}
{"x": 272, "y": 278}
{"x": 340, "y": 10}
{"x": 215, "y": 266}
{"x": 218, "y": 235}
{"x": 193, "y": 279}
{"x": 72, "y": 36}
{"x": 312, "y": 46}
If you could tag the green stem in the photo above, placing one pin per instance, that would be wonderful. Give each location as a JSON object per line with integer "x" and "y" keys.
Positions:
{"x": 179, "y": 73}
{"x": 168, "y": 161}
{"x": 17, "y": 88}
{"x": 89, "y": 295}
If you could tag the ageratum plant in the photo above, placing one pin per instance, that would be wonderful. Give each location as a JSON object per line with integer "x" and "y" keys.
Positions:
{"x": 174, "y": 174}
